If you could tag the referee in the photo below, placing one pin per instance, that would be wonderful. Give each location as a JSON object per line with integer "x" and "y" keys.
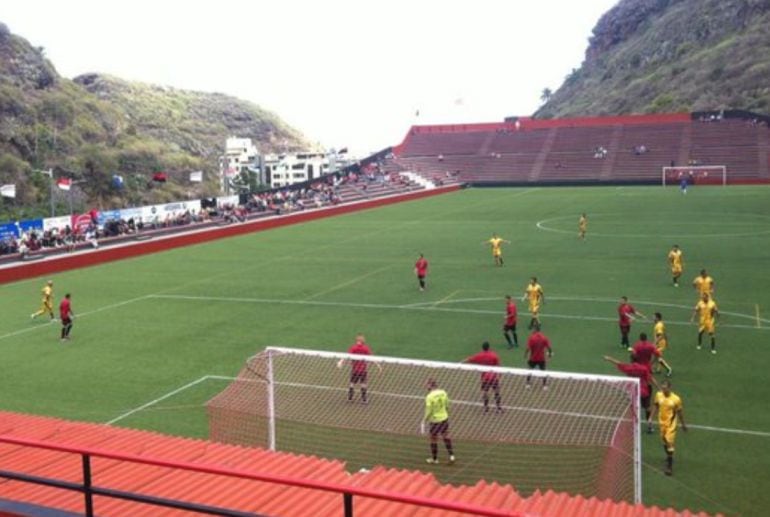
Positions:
{"x": 437, "y": 417}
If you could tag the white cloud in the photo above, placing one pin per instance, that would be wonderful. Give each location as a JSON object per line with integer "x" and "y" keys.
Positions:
{"x": 346, "y": 73}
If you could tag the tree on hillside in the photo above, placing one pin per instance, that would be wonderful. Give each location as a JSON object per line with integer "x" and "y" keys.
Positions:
{"x": 545, "y": 96}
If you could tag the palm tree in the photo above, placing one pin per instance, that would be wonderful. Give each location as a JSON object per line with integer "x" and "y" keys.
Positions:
{"x": 546, "y": 95}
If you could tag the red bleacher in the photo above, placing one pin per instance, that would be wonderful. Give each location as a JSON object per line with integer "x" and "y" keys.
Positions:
{"x": 564, "y": 150}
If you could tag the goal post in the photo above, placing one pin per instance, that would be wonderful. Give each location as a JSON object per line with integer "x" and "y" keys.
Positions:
{"x": 566, "y": 432}
{"x": 695, "y": 175}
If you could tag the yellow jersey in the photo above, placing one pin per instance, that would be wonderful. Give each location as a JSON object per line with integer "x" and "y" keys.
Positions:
{"x": 668, "y": 407}
{"x": 675, "y": 259}
{"x": 704, "y": 285}
{"x": 47, "y": 294}
{"x": 534, "y": 293}
{"x": 582, "y": 223}
{"x": 659, "y": 331}
{"x": 706, "y": 311}
{"x": 437, "y": 406}
{"x": 496, "y": 242}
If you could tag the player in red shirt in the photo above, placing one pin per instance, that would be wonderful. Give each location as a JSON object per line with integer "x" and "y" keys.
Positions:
{"x": 644, "y": 352}
{"x": 537, "y": 345}
{"x": 421, "y": 270}
{"x": 358, "y": 369}
{"x": 489, "y": 379}
{"x": 625, "y": 312}
{"x": 644, "y": 374}
{"x": 66, "y": 315}
{"x": 509, "y": 327}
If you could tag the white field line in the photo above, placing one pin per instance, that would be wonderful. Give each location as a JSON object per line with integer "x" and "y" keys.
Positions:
{"x": 78, "y": 315}
{"x": 727, "y": 430}
{"x": 412, "y": 307}
{"x": 159, "y": 399}
{"x": 348, "y": 282}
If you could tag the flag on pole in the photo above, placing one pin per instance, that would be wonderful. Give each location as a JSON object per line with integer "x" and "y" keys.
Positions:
{"x": 8, "y": 190}
{"x": 196, "y": 177}
{"x": 64, "y": 183}
{"x": 160, "y": 177}
{"x": 48, "y": 173}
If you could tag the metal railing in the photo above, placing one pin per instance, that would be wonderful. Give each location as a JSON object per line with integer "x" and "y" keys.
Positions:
{"x": 89, "y": 489}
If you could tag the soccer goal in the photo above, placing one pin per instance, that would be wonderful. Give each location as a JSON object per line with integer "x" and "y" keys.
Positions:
{"x": 695, "y": 175}
{"x": 580, "y": 434}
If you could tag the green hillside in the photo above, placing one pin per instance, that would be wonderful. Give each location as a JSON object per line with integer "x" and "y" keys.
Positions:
{"x": 95, "y": 126}
{"x": 650, "y": 56}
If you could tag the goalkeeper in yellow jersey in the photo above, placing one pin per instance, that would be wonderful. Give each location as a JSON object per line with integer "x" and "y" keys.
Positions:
{"x": 46, "y": 306}
{"x": 668, "y": 405}
{"x": 582, "y": 227}
{"x": 437, "y": 418}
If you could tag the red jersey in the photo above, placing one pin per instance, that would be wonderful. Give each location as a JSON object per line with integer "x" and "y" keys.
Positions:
{"x": 421, "y": 266}
{"x": 359, "y": 347}
{"x": 624, "y": 311}
{"x": 64, "y": 308}
{"x": 641, "y": 372}
{"x": 537, "y": 345}
{"x": 487, "y": 358}
{"x": 510, "y": 313}
{"x": 643, "y": 352}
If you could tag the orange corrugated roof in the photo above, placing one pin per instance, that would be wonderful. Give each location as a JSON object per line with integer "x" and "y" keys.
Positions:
{"x": 243, "y": 494}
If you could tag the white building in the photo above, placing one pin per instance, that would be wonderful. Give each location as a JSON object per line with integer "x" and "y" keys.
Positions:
{"x": 286, "y": 169}
{"x": 240, "y": 155}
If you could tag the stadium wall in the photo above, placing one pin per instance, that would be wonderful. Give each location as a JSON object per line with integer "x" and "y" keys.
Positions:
{"x": 137, "y": 248}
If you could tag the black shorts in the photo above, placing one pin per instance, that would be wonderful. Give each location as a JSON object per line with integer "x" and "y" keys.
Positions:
{"x": 421, "y": 277}
{"x": 493, "y": 384}
{"x": 66, "y": 321}
{"x": 437, "y": 428}
{"x": 536, "y": 364}
{"x": 507, "y": 327}
{"x": 645, "y": 401}
{"x": 625, "y": 329}
{"x": 356, "y": 377}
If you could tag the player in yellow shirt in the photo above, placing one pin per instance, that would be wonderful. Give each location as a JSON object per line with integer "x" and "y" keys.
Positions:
{"x": 661, "y": 343}
{"x": 582, "y": 227}
{"x": 496, "y": 243}
{"x": 704, "y": 284}
{"x": 708, "y": 311}
{"x": 437, "y": 418}
{"x": 668, "y": 405}
{"x": 46, "y": 306}
{"x": 534, "y": 293}
{"x": 676, "y": 263}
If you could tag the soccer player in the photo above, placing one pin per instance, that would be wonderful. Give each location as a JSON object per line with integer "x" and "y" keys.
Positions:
{"x": 509, "y": 327}
{"x": 644, "y": 352}
{"x": 668, "y": 405}
{"x": 582, "y": 227}
{"x": 644, "y": 374}
{"x": 496, "y": 243}
{"x": 46, "y": 306}
{"x": 66, "y": 314}
{"x": 437, "y": 417}
{"x": 358, "y": 369}
{"x": 704, "y": 284}
{"x": 661, "y": 343}
{"x": 537, "y": 344}
{"x": 534, "y": 292}
{"x": 675, "y": 261}
{"x": 626, "y": 312}
{"x": 421, "y": 270}
{"x": 489, "y": 379}
{"x": 708, "y": 311}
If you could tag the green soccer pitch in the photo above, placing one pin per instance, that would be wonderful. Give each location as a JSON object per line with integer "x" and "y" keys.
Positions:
{"x": 155, "y": 333}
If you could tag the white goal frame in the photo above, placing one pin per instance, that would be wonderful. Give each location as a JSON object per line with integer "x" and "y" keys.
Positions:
{"x": 695, "y": 171}
{"x": 631, "y": 383}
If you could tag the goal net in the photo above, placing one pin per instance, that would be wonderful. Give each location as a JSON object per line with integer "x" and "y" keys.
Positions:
{"x": 695, "y": 175}
{"x": 579, "y": 435}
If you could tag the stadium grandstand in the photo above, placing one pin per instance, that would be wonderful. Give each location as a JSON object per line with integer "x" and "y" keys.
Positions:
{"x": 592, "y": 150}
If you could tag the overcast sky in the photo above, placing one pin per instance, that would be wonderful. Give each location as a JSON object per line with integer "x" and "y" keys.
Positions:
{"x": 344, "y": 72}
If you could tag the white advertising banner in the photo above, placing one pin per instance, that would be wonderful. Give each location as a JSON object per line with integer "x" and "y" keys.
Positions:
{"x": 49, "y": 223}
{"x": 227, "y": 200}
{"x": 160, "y": 213}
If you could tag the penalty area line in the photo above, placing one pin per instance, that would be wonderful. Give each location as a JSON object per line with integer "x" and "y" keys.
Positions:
{"x": 159, "y": 399}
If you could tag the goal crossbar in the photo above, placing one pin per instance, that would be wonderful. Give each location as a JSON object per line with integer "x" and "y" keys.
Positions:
{"x": 704, "y": 174}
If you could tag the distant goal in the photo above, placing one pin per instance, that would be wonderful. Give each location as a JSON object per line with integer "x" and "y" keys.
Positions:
{"x": 581, "y": 435}
{"x": 695, "y": 174}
